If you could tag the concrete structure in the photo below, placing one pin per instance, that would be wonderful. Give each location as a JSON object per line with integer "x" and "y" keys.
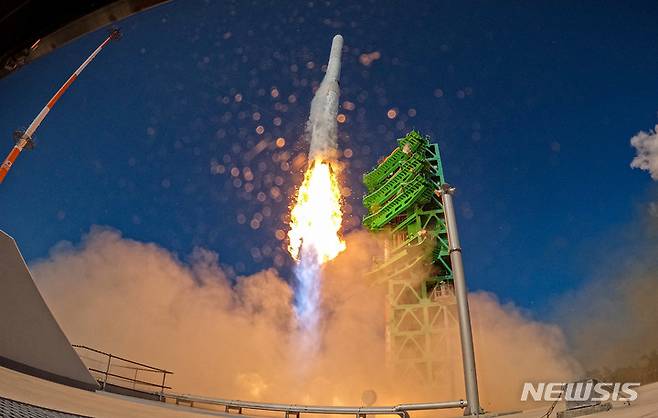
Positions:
{"x": 41, "y": 393}
{"x": 31, "y": 339}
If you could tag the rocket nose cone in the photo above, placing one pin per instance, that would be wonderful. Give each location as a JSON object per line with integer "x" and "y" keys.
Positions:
{"x": 337, "y": 46}
{"x": 333, "y": 67}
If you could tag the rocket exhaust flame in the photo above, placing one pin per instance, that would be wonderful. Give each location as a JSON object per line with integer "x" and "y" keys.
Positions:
{"x": 316, "y": 216}
{"x": 315, "y": 222}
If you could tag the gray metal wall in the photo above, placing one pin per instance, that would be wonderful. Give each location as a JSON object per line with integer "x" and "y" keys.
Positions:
{"x": 31, "y": 340}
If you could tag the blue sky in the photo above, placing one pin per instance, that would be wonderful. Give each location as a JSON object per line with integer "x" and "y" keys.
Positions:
{"x": 533, "y": 105}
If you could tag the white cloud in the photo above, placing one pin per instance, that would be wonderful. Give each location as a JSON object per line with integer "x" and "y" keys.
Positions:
{"x": 240, "y": 339}
{"x": 646, "y": 144}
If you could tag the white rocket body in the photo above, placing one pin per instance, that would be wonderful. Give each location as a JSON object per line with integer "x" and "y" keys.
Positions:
{"x": 333, "y": 67}
{"x": 322, "y": 128}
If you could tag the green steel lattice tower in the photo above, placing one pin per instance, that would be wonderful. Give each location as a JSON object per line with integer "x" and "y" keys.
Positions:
{"x": 422, "y": 325}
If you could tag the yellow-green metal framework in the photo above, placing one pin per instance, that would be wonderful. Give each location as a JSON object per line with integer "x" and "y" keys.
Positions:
{"x": 421, "y": 308}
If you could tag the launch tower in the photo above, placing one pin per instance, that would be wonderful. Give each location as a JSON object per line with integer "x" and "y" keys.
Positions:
{"x": 422, "y": 318}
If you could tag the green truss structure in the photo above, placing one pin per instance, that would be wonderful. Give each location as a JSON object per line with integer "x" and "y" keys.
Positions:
{"x": 422, "y": 327}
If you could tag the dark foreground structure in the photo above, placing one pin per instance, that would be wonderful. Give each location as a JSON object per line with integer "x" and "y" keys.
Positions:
{"x": 30, "y": 29}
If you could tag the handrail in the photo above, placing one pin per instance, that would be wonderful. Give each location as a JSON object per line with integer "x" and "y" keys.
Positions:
{"x": 141, "y": 369}
{"x": 118, "y": 376}
{"x": 360, "y": 411}
{"x": 121, "y": 358}
{"x": 290, "y": 409}
{"x": 106, "y": 374}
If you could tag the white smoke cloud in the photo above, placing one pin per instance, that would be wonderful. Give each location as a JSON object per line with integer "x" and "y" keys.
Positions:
{"x": 646, "y": 145}
{"x": 612, "y": 320}
{"x": 240, "y": 339}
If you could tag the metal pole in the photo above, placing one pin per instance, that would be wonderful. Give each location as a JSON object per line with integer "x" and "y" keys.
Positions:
{"x": 107, "y": 370}
{"x": 162, "y": 388}
{"x": 461, "y": 294}
{"x": 24, "y": 139}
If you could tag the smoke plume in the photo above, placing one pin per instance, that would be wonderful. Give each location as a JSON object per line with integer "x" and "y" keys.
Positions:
{"x": 613, "y": 320}
{"x": 646, "y": 145}
{"x": 240, "y": 340}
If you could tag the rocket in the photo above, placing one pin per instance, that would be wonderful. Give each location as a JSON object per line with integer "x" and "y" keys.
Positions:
{"x": 333, "y": 67}
{"x": 321, "y": 126}
{"x": 24, "y": 139}
{"x": 332, "y": 77}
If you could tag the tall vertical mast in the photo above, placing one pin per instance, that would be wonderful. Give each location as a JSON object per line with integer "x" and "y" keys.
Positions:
{"x": 24, "y": 139}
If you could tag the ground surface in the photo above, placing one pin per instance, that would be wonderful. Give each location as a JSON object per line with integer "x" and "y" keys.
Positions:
{"x": 31, "y": 390}
{"x": 23, "y": 389}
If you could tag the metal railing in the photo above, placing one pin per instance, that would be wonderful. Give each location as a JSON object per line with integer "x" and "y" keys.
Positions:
{"x": 133, "y": 367}
{"x": 401, "y": 410}
{"x": 229, "y": 405}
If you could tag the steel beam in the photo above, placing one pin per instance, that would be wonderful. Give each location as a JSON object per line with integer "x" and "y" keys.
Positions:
{"x": 401, "y": 410}
{"x": 461, "y": 293}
